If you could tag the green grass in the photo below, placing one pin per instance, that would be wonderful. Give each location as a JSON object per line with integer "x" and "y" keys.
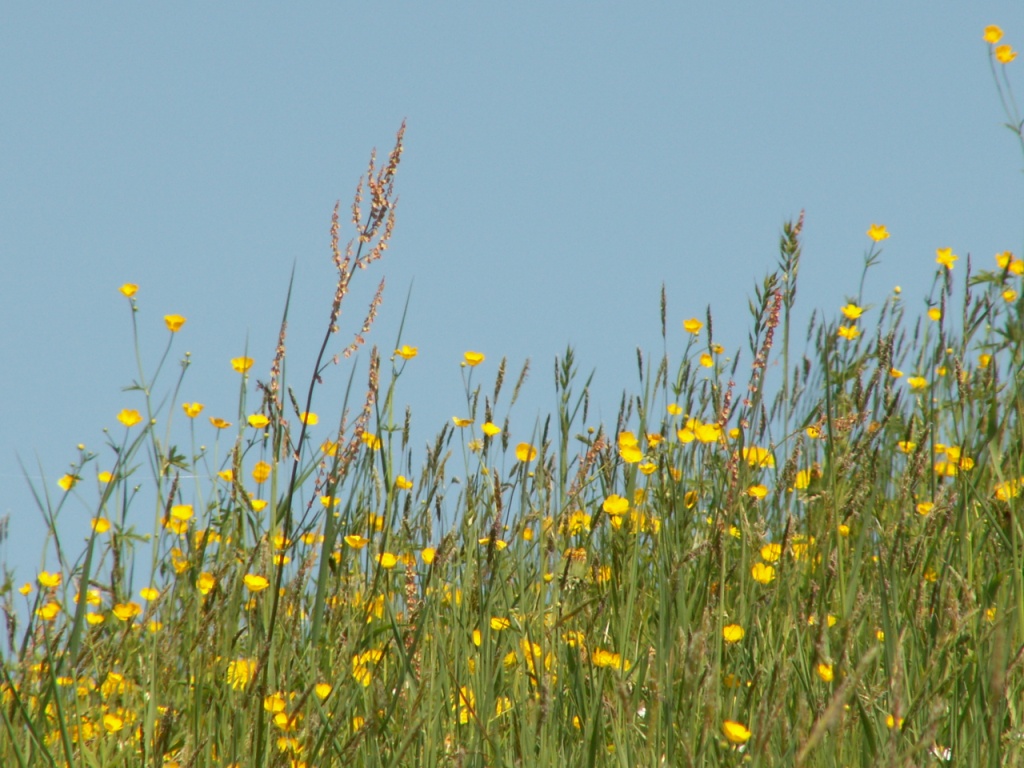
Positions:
{"x": 812, "y": 563}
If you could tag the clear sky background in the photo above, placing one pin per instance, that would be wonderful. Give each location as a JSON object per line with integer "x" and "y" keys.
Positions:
{"x": 563, "y": 160}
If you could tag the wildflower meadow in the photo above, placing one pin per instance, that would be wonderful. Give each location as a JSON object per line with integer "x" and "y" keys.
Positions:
{"x": 805, "y": 551}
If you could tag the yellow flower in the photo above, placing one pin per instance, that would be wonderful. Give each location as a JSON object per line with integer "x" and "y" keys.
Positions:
{"x": 387, "y": 560}
{"x": 693, "y": 325}
{"x": 771, "y": 552}
{"x": 892, "y": 722}
{"x": 219, "y": 423}
{"x": 460, "y": 422}
{"x": 735, "y": 732}
{"x": 825, "y": 672}
{"x": 499, "y": 623}
{"x": 192, "y": 409}
{"x": 261, "y": 471}
{"x": 129, "y": 289}
{"x": 878, "y": 232}
{"x": 924, "y": 507}
{"x": 240, "y": 672}
{"x": 100, "y": 524}
{"x": 906, "y": 446}
{"x": 917, "y": 383}
{"x": 403, "y": 483}
{"x": 67, "y": 482}
{"x": 733, "y": 633}
{"x": 149, "y": 593}
{"x": 848, "y": 332}
{"x": 945, "y": 257}
{"x": 526, "y": 452}
{"x": 104, "y": 476}
{"x": 1009, "y": 295}
{"x": 50, "y": 580}
{"x": 406, "y": 352}
{"x": 355, "y": 541}
{"x": 466, "y": 705}
{"x": 49, "y": 611}
{"x": 427, "y": 554}
{"x": 472, "y": 358}
{"x": 615, "y": 505}
{"x": 174, "y": 322}
{"x": 674, "y": 409}
{"x": 758, "y": 457}
{"x": 993, "y": 34}
{"x": 309, "y": 419}
{"x": 935, "y": 314}
{"x": 852, "y": 311}
{"x": 1005, "y": 54}
{"x": 126, "y": 611}
{"x": 255, "y": 582}
{"x": 129, "y": 417}
{"x": 371, "y": 440}
{"x": 258, "y": 421}
{"x": 112, "y": 723}
{"x": 241, "y": 364}
{"x": 608, "y": 660}
{"x": 757, "y": 491}
{"x": 206, "y": 582}
{"x": 762, "y": 573}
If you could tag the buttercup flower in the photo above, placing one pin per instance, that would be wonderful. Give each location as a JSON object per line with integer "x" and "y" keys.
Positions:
{"x": 945, "y": 257}
{"x": 878, "y": 232}
{"x": 129, "y": 289}
{"x": 129, "y": 417}
{"x": 693, "y": 325}
{"x": 174, "y": 322}
{"x": 472, "y": 358}
{"x": 993, "y": 34}
{"x": 735, "y": 732}
{"x": 192, "y": 409}
{"x": 241, "y": 364}
{"x": 406, "y": 352}
{"x": 1005, "y": 54}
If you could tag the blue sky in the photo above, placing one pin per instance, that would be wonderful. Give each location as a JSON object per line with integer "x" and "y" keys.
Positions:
{"x": 563, "y": 160}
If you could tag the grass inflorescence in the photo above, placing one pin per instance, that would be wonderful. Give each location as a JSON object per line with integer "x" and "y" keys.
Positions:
{"x": 819, "y": 562}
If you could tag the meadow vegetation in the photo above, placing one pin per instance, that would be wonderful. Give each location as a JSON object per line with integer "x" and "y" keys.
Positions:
{"x": 774, "y": 556}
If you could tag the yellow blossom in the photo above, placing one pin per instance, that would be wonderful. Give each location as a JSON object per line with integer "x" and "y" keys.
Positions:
{"x": 878, "y": 232}
{"x": 371, "y": 441}
{"x": 825, "y": 672}
{"x": 992, "y": 34}
{"x": 241, "y": 364}
{"x": 945, "y": 257}
{"x": 733, "y": 633}
{"x": 219, "y": 423}
{"x": 387, "y": 560}
{"x": 258, "y": 421}
{"x": 934, "y": 314}
{"x": 526, "y": 452}
{"x": 192, "y": 409}
{"x": 255, "y": 582}
{"x": 126, "y": 611}
{"x": 473, "y": 358}
{"x": 406, "y": 352}
{"x": 174, "y": 322}
{"x": 1005, "y": 54}
{"x": 427, "y": 555}
{"x": 309, "y": 419}
{"x": 129, "y": 417}
{"x": 403, "y": 483}
{"x": 206, "y": 582}
{"x": 240, "y": 672}
{"x": 917, "y": 383}
{"x": 851, "y": 311}
{"x": 129, "y": 289}
{"x": 460, "y": 422}
{"x": 693, "y": 325}
{"x": 762, "y": 573}
{"x": 757, "y": 491}
{"x": 261, "y": 471}
{"x": 735, "y": 732}
{"x": 848, "y": 332}
{"x": 490, "y": 429}
{"x": 100, "y": 524}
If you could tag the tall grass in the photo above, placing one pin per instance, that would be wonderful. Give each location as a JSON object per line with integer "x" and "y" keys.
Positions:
{"x": 815, "y": 563}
